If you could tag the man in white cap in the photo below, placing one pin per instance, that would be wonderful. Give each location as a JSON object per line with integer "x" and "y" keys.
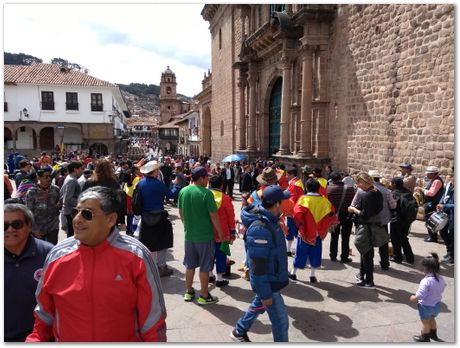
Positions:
{"x": 409, "y": 180}
{"x": 156, "y": 230}
{"x": 433, "y": 193}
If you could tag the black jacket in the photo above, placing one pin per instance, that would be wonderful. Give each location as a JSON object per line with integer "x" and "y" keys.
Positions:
{"x": 223, "y": 174}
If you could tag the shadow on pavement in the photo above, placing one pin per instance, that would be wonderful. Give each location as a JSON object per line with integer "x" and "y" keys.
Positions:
{"x": 320, "y": 325}
{"x": 302, "y": 292}
{"x": 230, "y": 315}
{"x": 352, "y": 293}
{"x": 402, "y": 296}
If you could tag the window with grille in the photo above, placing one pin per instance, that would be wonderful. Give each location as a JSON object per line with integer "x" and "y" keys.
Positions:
{"x": 71, "y": 101}
{"x": 47, "y": 100}
{"x": 96, "y": 102}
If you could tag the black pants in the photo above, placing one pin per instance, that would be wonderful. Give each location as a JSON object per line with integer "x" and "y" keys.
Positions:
{"x": 399, "y": 232}
{"x": 52, "y": 236}
{"x": 383, "y": 252}
{"x": 367, "y": 266}
{"x": 69, "y": 225}
{"x": 228, "y": 187}
{"x": 344, "y": 230}
{"x": 448, "y": 237}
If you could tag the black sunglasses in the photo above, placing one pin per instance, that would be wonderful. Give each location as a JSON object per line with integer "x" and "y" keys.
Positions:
{"x": 16, "y": 224}
{"x": 86, "y": 213}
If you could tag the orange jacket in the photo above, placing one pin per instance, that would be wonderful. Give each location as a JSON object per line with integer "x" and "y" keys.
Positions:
{"x": 296, "y": 188}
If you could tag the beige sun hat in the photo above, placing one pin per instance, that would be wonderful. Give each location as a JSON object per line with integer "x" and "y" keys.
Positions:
{"x": 150, "y": 167}
{"x": 432, "y": 169}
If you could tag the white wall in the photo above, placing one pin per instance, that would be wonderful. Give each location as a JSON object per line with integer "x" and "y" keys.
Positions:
{"x": 29, "y": 97}
{"x": 25, "y": 139}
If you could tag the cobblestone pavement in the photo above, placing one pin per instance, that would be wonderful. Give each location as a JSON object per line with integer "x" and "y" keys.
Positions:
{"x": 332, "y": 310}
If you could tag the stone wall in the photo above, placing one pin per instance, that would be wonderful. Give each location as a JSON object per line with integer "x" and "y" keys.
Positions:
{"x": 223, "y": 87}
{"x": 392, "y": 87}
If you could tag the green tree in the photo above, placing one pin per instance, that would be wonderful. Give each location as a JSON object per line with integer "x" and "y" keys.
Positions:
{"x": 20, "y": 59}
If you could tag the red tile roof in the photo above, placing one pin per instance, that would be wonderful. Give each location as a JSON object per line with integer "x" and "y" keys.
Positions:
{"x": 50, "y": 74}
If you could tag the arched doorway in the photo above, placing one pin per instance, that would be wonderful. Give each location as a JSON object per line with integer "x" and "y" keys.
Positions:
{"x": 206, "y": 132}
{"x": 7, "y": 138}
{"x": 274, "y": 118}
{"x": 47, "y": 138}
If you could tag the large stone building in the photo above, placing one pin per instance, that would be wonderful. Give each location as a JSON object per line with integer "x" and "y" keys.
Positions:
{"x": 170, "y": 104}
{"x": 358, "y": 86}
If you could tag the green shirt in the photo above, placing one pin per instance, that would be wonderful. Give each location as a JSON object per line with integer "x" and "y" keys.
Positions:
{"x": 197, "y": 203}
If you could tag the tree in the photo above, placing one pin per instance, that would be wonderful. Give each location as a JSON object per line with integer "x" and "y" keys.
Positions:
{"x": 20, "y": 59}
{"x": 72, "y": 66}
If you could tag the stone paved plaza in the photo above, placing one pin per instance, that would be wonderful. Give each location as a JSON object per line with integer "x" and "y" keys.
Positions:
{"x": 332, "y": 310}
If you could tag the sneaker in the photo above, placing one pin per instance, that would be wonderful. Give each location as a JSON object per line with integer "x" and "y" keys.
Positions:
{"x": 239, "y": 337}
{"x": 212, "y": 279}
{"x": 189, "y": 296}
{"x": 292, "y": 276}
{"x": 313, "y": 280}
{"x": 209, "y": 300}
{"x": 385, "y": 268}
{"x": 366, "y": 285}
{"x": 359, "y": 278}
{"x": 220, "y": 283}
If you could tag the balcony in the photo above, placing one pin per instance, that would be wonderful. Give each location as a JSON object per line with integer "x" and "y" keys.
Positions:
{"x": 48, "y": 105}
{"x": 95, "y": 107}
{"x": 71, "y": 106}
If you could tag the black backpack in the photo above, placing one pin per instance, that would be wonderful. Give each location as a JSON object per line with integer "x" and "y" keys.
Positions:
{"x": 408, "y": 208}
{"x": 137, "y": 201}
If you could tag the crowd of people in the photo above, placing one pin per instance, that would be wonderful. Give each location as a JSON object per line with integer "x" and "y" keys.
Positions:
{"x": 287, "y": 212}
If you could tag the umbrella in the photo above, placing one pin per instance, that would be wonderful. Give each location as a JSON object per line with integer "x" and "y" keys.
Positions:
{"x": 234, "y": 157}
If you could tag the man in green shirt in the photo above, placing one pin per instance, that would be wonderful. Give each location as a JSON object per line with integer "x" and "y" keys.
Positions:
{"x": 198, "y": 212}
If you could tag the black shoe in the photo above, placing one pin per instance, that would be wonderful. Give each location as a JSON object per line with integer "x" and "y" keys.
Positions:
{"x": 359, "y": 278}
{"x": 385, "y": 268}
{"x": 395, "y": 260}
{"x": 434, "y": 336}
{"x": 346, "y": 260}
{"x": 313, "y": 280}
{"x": 366, "y": 285}
{"x": 237, "y": 337}
{"x": 220, "y": 283}
{"x": 212, "y": 279}
{"x": 333, "y": 259}
{"x": 292, "y": 276}
{"x": 289, "y": 253}
{"x": 422, "y": 338}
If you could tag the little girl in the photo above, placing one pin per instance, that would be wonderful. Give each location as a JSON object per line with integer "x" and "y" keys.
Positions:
{"x": 429, "y": 296}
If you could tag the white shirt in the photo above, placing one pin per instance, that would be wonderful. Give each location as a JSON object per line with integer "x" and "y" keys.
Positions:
{"x": 229, "y": 173}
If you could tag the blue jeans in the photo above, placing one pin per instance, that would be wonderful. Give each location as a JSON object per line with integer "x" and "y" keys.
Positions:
{"x": 277, "y": 313}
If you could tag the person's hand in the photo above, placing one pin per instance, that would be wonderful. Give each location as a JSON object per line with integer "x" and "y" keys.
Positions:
{"x": 413, "y": 298}
{"x": 440, "y": 207}
{"x": 267, "y": 302}
{"x": 353, "y": 210}
{"x": 418, "y": 189}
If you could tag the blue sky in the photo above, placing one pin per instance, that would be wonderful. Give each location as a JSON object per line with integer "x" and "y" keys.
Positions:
{"x": 120, "y": 43}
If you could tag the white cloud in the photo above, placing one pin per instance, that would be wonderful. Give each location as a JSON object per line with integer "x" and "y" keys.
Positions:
{"x": 121, "y": 43}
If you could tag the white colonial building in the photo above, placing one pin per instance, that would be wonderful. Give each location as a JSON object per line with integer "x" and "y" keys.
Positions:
{"x": 46, "y": 105}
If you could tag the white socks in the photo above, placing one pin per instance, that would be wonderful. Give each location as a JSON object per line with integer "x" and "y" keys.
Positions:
{"x": 289, "y": 245}
{"x": 294, "y": 270}
{"x": 312, "y": 272}
{"x": 219, "y": 277}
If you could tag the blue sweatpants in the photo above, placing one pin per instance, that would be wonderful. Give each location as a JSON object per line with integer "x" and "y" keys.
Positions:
{"x": 306, "y": 252}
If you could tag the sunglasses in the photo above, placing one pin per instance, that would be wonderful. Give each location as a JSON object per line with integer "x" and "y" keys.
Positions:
{"x": 16, "y": 224}
{"x": 86, "y": 213}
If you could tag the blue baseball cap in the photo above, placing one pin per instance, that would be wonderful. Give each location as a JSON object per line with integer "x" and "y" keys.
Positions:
{"x": 273, "y": 193}
{"x": 199, "y": 172}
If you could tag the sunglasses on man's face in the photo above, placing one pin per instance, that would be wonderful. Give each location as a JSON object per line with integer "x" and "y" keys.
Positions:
{"x": 16, "y": 224}
{"x": 86, "y": 213}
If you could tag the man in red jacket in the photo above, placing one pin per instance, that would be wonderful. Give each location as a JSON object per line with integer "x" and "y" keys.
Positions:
{"x": 99, "y": 285}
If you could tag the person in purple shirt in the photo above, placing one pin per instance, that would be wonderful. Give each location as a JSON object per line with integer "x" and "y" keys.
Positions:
{"x": 428, "y": 298}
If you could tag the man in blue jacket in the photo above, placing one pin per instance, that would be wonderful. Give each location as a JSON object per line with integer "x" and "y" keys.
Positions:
{"x": 24, "y": 258}
{"x": 267, "y": 256}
